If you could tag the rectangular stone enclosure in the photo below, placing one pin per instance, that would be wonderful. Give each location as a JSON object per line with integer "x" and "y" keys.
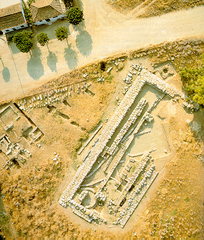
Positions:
{"x": 112, "y": 180}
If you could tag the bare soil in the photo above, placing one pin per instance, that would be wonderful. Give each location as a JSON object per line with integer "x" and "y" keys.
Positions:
{"x": 104, "y": 32}
{"x": 173, "y": 209}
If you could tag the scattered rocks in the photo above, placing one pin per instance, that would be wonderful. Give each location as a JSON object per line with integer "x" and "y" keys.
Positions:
{"x": 109, "y": 69}
{"x": 191, "y": 106}
{"x": 101, "y": 79}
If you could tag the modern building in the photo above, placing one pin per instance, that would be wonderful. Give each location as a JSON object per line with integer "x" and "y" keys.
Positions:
{"x": 47, "y": 11}
{"x": 12, "y": 16}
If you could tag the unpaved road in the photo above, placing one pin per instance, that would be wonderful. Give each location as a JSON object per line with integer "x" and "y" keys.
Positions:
{"x": 104, "y": 32}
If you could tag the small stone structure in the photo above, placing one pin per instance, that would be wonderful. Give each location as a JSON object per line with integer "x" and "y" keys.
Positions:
{"x": 110, "y": 184}
{"x": 14, "y": 153}
{"x": 18, "y": 133}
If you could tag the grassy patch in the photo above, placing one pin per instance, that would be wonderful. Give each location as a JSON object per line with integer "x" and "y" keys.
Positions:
{"x": 125, "y": 4}
{"x": 193, "y": 81}
{"x": 160, "y": 7}
{"x": 154, "y": 8}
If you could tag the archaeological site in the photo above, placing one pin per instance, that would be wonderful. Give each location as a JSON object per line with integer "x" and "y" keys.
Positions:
{"x": 101, "y": 120}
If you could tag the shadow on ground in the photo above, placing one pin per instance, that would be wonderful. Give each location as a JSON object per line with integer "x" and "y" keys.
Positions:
{"x": 6, "y": 74}
{"x": 70, "y": 57}
{"x": 52, "y": 61}
{"x": 13, "y": 48}
{"x": 34, "y": 65}
{"x": 84, "y": 42}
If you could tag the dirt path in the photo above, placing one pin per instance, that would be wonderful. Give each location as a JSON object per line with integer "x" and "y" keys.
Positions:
{"x": 105, "y": 32}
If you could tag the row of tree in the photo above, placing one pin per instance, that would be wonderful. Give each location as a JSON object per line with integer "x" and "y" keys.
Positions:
{"x": 24, "y": 39}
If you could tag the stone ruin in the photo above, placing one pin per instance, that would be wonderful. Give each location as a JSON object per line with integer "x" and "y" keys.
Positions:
{"x": 111, "y": 182}
{"x": 17, "y": 133}
{"x": 53, "y": 96}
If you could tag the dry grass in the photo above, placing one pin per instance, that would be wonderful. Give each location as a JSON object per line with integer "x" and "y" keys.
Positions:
{"x": 155, "y": 7}
{"x": 125, "y": 4}
{"x": 31, "y": 192}
{"x": 160, "y": 7}
{"x": 175, "y": 209}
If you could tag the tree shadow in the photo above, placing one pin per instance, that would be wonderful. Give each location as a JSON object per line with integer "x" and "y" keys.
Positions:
{"x": 79, "y": 27}
{"x": 70, "y": 57}
{"x": 84, "y": 43}
{"x": 6, "y": 74}
{"x": 197, "y": 125}
{"x": 34, "y": 65}
{"x": 13, "y": 48}
{"x": 52, "y": 61}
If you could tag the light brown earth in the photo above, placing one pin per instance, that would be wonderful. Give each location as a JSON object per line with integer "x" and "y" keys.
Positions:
{"x": 104, "y": 32}
{"x": 149, "y": 8}
{"x": 173, "y": 206}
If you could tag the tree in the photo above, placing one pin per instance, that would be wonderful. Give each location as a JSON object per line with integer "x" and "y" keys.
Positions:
{"x": 68, "y": 3}
{"x": 42, "y": 38}
{"x": 74, "y": 15}
{"x": 23, "y": 40}
{"x": 61, "y": 33}
{"x": 27, "y": 11}
{"x": 193, "y": 80}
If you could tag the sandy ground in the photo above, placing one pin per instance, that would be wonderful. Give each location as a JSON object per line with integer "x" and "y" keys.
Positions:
{"x": 4, "y": 4}
{"x": 173, "y": 206}
{"x": 104, "y": 32}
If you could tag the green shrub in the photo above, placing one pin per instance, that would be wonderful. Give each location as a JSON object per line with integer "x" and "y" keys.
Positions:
{"x": 68, "y": 3}
{"x": 61, "y": 33}
{"x": 193, "y": 81}
{"x": 27, "y": 11}
{"x": 74, "y": 16}
{"x": 42, "y": 38}
{"x": 23, "y": 40}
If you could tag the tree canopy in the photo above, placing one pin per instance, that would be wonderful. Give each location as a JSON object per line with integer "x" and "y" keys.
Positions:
{"x": 68, "y": 3}
{"x": 193, "y": 80}
{"x": 23, "y": 40}
{"x": 74, "y": 15}
{"x": 42, "y": 38}
{"x": 61, "y": 33}
{"x": 27, "y": 11}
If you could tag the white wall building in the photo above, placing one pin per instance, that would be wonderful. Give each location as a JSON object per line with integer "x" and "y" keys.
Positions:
{"x": 43, "y": 12}
{"x": 47, "y": 11}
{"x": 12, "y": 18}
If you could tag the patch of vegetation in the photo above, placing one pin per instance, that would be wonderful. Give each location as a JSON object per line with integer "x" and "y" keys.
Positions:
{"x": 125, "y": 4}
{"x": 27, "y": 12}
{"x": 153, "y": 8}
{"x": 32, "y": 192}
{"x": 68, "y": 3}
{"x": 193, "y": 81}
{"x": 109, "y": 78}
{"x": 23, "y": 40}
{"x": 160, "y": 7}
{"x": 103, "y": 66}
{"x": 61, "y": 33}
{"x": 42, "y": 38}
{"x": 4, "y": 224}
{"x": 74, "y": 16}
